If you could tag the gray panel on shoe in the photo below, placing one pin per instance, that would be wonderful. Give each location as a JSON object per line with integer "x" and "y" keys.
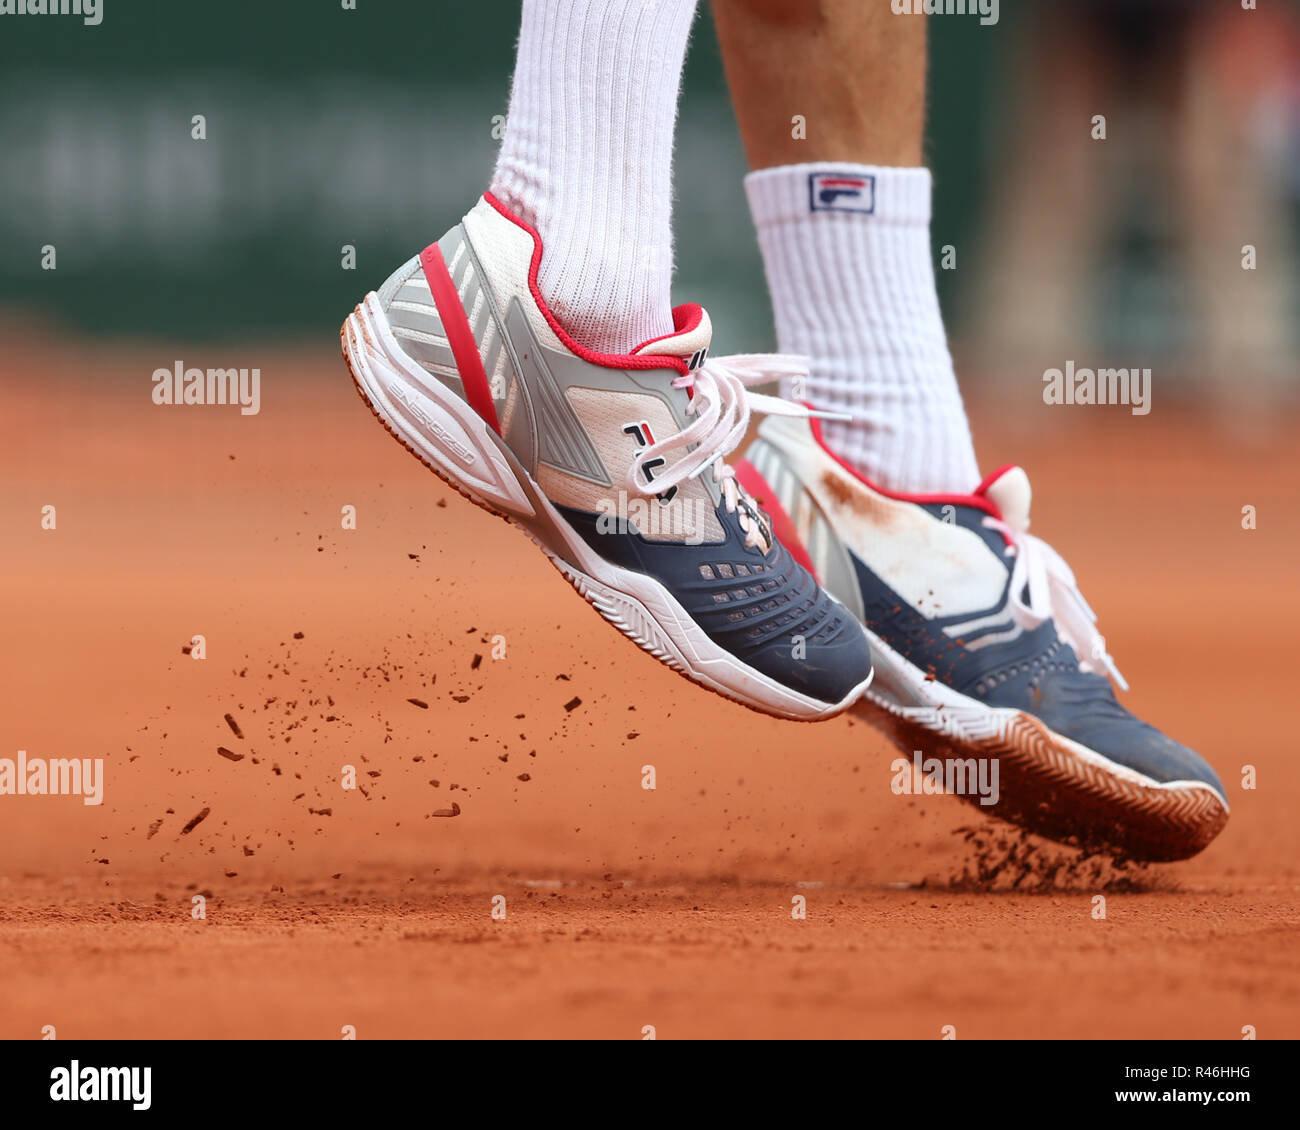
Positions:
{"x": 395, "y": 281}
{"x": 424, "y": 322}
{"x": 521, "y": 434}
{"x": 573, "y": 372}
{"x": 427, "y": 354}
{"x": 448, "y": 244}
{"x": 490, "y": 364}
{"x": 415, "y": 324}
{"x": 838, "y": 576}
{"x": 834, "y": 565}
{"x": 562, "y": 442}
{"x": 569, "y": 371}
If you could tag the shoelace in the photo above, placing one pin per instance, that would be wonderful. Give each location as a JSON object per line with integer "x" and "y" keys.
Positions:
{"x": 722, "y": 402}
{"x": 1053, "y": 594}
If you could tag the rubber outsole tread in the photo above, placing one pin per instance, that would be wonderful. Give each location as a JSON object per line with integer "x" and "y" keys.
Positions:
{"x": 1050, "y": 790}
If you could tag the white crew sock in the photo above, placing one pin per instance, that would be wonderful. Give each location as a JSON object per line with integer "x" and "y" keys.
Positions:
{"x": 854, "y": 289}
{"x": 587, "y": 160}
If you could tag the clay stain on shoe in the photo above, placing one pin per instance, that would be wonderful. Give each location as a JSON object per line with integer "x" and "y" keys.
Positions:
{"x": 864, "y": 503}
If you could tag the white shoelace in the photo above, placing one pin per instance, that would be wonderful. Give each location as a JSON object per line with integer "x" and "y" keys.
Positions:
{"x": 1053, "y": 594}
{"x": 721, "y": 403}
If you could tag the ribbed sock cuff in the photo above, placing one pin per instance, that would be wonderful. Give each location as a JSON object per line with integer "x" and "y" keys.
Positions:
{"x": 885, "y": 195}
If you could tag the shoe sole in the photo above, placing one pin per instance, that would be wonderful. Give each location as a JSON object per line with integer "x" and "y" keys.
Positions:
{"x": 453, "y": 441}
{"x": 1048, "y": 784}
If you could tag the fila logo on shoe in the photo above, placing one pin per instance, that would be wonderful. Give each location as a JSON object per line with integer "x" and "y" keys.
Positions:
{"x": 644, "y": 438}
{"x": 697, "y": 359}
{"x": 842, "y": 192}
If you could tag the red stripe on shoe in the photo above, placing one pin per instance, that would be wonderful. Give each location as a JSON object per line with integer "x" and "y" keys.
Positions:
{"x": 977, "y": 500}
{"x": 605, "y": 360}
{"x": 459, "y": 335}
{"x": 783, "y": 529}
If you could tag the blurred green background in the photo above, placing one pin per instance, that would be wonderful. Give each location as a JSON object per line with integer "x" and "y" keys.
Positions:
{"x": 373, "y": 127}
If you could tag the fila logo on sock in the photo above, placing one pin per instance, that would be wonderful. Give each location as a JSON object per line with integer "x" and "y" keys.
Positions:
{"x": 644, "y": 438}
{"x": 842, "y": 192}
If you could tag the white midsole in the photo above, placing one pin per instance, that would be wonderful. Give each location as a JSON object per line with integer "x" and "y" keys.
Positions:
{"x": 450, "y": 436}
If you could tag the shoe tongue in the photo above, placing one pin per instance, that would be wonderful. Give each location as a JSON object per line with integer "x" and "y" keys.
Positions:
{"x": 692, "y": 334}
{"x": 1008, "y": 489}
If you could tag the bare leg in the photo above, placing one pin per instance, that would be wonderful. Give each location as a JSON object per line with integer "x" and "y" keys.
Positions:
{"x": 851, "y": 68}
{"x": 830, "y": 96}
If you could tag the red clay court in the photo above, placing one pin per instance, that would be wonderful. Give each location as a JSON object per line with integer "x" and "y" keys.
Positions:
{"x": 624, "y": 907}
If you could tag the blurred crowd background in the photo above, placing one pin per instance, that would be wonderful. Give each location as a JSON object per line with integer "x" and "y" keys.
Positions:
{"x": 374, "y": 128}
